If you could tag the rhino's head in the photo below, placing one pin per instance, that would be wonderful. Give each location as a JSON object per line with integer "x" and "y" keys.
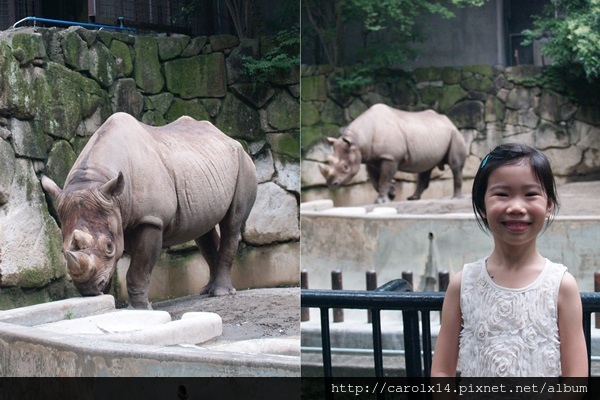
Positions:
{"x": 92, "y": 232}
{"x": 344, "y": 164}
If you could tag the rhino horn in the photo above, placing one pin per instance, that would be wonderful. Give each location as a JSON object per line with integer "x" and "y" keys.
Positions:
{"x": 332, "y": 160}
{"x": 325, "y": 170}
{"x": 79, "y": 266}
{"x": 81, "y": 240}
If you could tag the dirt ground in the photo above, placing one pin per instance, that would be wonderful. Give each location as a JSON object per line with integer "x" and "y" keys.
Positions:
{"x": 249, "y": 314}
{"x": 577, "y": 198}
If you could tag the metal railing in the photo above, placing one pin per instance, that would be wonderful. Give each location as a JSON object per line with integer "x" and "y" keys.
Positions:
{"x": 417, "y": 345}
{"x": 35, "y": 20}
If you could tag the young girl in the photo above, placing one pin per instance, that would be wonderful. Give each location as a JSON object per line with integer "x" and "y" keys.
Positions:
{"x": 514, "y": 313}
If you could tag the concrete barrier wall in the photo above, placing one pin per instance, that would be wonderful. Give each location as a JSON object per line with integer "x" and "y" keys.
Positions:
{"x": 354, "y": 241}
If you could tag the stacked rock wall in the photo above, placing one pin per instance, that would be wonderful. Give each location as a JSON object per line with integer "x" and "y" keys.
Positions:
{"x": 490, "y": 105}
{"x": 58, "y": 86}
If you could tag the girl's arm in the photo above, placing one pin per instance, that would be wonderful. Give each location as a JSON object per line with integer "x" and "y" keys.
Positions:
{"x": 445, "y": 356}
{"x": 573, "y": 350}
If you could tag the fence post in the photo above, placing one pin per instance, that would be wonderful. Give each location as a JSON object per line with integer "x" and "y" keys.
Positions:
{"x": 408, "y": 277}
{"x": 304, "y": 311}
{"x": 597, "y": 289}
{"x": 371, "y": 285}
{"x": 336, "y": 284}
{"x": 444, "y": 280}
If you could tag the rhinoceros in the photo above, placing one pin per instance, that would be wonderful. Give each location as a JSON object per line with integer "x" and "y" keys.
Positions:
{"x": 389, "y": 140}
{"x": 138, "y": 188}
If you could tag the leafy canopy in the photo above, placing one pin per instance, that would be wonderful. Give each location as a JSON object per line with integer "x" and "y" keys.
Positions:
{"x": 388, "y": 27}
{"x": 571, "y": 30}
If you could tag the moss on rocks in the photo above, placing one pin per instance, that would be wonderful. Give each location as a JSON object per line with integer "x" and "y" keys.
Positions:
{"x": 191, "y": 108}
{"x": 75, "y": 51}
{"x": 147, "y": 68}
{"x": 239, "y": 120}
{"x": 123, "y": 60}
{"x": 60, "y": 160}
{"x": 283, "y": 112}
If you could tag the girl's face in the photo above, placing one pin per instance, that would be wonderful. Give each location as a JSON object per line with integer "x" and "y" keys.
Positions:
{"x": 516, "y": 204}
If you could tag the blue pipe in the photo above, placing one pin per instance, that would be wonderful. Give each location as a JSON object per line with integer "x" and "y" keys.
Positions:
{"x": 84, "y": 24}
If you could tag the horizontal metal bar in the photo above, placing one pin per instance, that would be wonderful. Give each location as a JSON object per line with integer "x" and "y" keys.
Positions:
{"x": 369, "y": 299}
{"x": 407, "y": 301}
{"x": 74, "y": 23}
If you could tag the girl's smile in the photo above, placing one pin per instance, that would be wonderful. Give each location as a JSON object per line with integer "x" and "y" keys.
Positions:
{"x": 516, "y": 204}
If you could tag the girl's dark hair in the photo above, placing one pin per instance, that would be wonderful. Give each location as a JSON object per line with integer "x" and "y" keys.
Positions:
{"x": 511, "y": 154}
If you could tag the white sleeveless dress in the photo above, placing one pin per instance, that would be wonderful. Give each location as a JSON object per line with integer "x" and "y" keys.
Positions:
{"x": 509, "y": 332}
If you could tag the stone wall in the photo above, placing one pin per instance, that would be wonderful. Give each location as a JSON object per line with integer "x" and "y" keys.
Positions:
{"x": 58, "y": 86}
{"x": 490, "y": 105}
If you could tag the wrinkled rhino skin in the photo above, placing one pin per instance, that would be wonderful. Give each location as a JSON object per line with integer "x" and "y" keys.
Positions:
{"x": 138, "y": 188}
{"x": 389, "y": 140}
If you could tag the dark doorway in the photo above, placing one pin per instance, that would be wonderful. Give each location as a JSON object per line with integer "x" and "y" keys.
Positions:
{"x": 519, "y": 16}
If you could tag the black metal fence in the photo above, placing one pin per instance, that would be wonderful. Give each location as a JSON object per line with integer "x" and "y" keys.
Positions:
{"x": 393, "y": 296}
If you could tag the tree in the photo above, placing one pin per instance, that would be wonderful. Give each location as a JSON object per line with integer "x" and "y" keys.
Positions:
{"x": 571, "y": 32}
{"x": 394, "y": 21}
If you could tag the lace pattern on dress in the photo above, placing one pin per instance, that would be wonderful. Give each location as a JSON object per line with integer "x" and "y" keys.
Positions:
{"x": 509, "y": 332}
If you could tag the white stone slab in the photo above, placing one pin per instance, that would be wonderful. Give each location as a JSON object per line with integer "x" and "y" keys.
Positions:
{"x": 113, "y": 322}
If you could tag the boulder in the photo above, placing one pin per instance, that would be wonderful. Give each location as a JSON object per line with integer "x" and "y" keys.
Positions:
{"x": 309, "y": 115}
{"x": 468, "y": 114}
{"x": 31, "y": 241}
{"x": 257, "y": 93}
{"x": 103, "y": 66}
{"x": 288, "y": 174}
{"x": 223, "y": 42}
{"x": 126, "y": 98}
{"x": 283, "y": 112}
{"x": 274, "y": 217}
{"x": 27, "y": 46}
{"x": 195, "y": 46}
{"x": 147, "y": 68}
{"x": 75, "y": 51}
{"x": 191, "y": 108}
{"x": 123, "y": 60}
{"x": 239, "y": 120}
{"x": 60, "y": 160}
{"x": 170, "y": 47}
{"x": 265, "y": 168}
{"x": 287, "y": 144}
{"x": 28, "y": 140}
{"x": 199, "y": 76}
{"x": 7, "y": 172}
{"x": 313, "y": 88}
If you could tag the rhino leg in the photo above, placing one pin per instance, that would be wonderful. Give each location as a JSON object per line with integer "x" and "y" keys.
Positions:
{"x": 209, "y": 244}
{"x": 456, "y": 161}
{"x": 422, "y": 184}
{"x": 231, "y": 231}
{"x": 145, "y": 245}
{"x": 385, "y": 184}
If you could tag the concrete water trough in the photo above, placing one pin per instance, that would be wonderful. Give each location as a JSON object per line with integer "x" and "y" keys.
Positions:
{"x": 90, "y": 337}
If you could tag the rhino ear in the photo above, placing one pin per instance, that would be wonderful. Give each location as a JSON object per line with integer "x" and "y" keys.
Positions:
{"x": 51, "y": 188}
{"x": 114, "y": 187}
{"x": 330, "y": 140}
{"x": 348, "y": 140}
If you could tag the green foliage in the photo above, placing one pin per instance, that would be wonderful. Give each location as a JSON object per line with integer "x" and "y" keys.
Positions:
{"x": 571, "y": 30}
{"x": 389, "y": 31}
{"x": 282, "y": 56}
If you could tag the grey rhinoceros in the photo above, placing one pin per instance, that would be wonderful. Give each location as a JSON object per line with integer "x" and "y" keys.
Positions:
{"x": 389, "y": 140}
{"x": 138, "y": 188}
